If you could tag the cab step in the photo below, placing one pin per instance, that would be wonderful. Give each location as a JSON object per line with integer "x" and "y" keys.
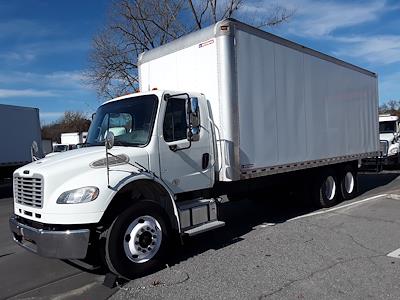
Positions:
{"x": 198, "y": 215}
{"x": 203, "y": 228}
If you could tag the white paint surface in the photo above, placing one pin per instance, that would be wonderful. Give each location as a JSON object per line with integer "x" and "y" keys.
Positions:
{"x": 339, "y": 207}
{"x": 395, "y": 253}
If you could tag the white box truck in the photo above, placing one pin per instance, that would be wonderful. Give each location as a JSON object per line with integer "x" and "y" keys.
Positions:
{"x": 20, "y": 127}
{"x": 73, "y": 138}
{"x": 220, "y": 110}
{"x": 389, "y": 134}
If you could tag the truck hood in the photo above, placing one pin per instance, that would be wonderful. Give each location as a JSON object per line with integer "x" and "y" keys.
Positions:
{"x": 78, "y": 160}
{"x": 386, "y": 137}
{"x": 75, "y": 169}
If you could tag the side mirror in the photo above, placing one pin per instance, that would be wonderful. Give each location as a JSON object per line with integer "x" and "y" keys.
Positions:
{"x": 93, "y": 115}
{"x": 194, "y": 119}
{"x": 109, "y": 142}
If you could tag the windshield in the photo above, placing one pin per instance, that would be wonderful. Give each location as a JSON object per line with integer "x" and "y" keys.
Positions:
{"x": 60, "y": 148}
{"x": 130, "y": 120}
{"x": 387, "y": 127}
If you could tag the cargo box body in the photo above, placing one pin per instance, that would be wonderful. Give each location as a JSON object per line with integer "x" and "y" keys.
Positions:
{"x": 276, "y": 106}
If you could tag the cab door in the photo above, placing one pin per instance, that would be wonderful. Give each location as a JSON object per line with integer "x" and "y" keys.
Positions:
{"x": 184, "y": 165}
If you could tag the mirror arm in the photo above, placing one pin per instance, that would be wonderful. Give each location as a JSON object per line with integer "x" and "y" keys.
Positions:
{"x": 108, "y": 169}
{"x": 174, "y": 148}
{"x": 167, "y": 96}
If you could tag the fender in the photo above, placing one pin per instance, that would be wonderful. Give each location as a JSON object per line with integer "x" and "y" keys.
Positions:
{"x": 144, "y": 177}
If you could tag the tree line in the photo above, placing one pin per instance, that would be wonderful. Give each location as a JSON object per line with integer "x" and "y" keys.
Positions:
{"x": 391, "y": 107}
{"x": 71, "y": 121}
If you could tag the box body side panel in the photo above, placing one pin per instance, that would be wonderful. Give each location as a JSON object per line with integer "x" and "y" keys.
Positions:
{"x": 294, "y": 107}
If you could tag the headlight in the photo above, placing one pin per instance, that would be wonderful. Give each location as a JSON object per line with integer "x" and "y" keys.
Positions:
{"x": 394, "y": 150}
{"x": 81, "y": 195}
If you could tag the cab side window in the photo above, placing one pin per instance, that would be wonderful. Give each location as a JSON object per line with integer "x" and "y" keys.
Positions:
{"x": 175, "y": 124}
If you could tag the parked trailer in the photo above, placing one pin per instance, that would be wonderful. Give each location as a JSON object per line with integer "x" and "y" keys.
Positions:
{"x": 73, "y": 138}
{"x": 221, "y": 109}
{"x": 20, "y": 126}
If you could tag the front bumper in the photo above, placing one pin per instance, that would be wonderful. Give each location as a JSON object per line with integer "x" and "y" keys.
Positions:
{"x": 65, "y": 244}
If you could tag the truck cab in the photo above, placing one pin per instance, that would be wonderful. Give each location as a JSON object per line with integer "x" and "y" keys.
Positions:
{"x": 389, "y": 139}
{"x": 162, "y": 147}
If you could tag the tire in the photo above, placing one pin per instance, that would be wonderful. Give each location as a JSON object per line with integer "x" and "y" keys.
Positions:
{"x": 348, "y": 183}
{"x": 326, "y": 190}
{"x": 137, "y": 240}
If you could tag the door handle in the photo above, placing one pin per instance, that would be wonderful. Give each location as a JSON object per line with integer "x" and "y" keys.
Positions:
{"x": 205, "y": 160}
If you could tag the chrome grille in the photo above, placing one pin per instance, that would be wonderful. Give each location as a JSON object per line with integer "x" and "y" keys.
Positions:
{"x": 28, "y": 191}
{"x": 384, "y": 147}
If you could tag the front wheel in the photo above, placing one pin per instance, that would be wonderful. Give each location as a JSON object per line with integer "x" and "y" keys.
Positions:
{"x": 137, "y": 240}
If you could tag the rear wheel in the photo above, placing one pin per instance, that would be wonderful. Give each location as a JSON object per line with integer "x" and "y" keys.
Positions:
{"x": 348, "y": 184}
{"x": 325, "y": 190}
{"x": 137, "y": 240}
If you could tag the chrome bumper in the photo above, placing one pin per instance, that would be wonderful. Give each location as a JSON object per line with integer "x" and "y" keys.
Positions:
{"x": 68, "y": 244}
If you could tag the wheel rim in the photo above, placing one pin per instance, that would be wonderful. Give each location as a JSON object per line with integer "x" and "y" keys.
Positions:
{"x": 329, "y": 188}
{"x": 142, "y": 239}
{"x": 349, "y": 182}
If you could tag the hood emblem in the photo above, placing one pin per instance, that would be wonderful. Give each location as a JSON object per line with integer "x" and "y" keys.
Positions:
{"x": 120, "y": 159}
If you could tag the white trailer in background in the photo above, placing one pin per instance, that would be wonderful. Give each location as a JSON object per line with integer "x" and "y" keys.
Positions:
{"x": 73, "y": 138}
{"x": 19, "y": 128}
{"x": 221, "y": 111}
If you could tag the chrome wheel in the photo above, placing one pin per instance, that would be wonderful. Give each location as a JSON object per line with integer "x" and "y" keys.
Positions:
{"x": 329, "y": 188}
{"x": 349, "y": 182}
{"x": 142, "y": 239}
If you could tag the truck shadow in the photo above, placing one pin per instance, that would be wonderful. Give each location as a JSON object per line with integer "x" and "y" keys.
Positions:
{"x": 6, "y": 190}
{"x": 262, "y": 209}
{"x": 370, "y": 181}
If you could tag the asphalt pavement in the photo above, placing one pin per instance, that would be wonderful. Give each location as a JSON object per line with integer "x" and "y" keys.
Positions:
{"x": 272, "y": 247}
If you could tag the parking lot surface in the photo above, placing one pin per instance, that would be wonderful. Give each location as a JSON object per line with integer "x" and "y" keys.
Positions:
{"x": 272, "y": 247}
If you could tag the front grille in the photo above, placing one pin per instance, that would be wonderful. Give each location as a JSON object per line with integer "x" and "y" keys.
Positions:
{"x": 28, "y": 191}
{"x": 384, "y": 147}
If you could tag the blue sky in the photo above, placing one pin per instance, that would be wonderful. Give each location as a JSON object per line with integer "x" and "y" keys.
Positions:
{"x": 44, "y": 45}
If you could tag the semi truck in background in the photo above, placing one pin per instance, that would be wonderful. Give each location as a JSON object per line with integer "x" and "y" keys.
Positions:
{"x": 221, "y": 111}
{"x": 20, "y": 127}
{"x": 389, "y": 135}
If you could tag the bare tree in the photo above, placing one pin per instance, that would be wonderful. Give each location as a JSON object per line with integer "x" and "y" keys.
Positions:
{"x": 390, "y": 107}
{"x": 136, "y": 26}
